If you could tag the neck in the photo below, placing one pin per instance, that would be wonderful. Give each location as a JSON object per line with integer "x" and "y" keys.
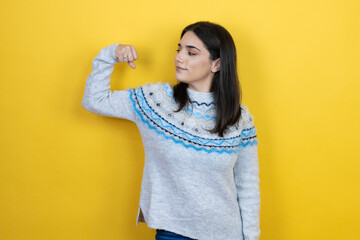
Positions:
{"x": 204, "y": 88}
{"x": 200, "y": 97}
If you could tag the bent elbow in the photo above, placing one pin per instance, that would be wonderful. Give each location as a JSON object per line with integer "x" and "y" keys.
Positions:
{"x": 87, "y": 104}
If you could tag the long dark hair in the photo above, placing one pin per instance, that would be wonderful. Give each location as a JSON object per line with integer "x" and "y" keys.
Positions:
{"x": 225, "y": 84}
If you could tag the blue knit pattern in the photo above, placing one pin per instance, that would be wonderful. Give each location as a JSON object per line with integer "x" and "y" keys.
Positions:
{"x": 202, "y": 106}
{"x": 198, "y": 108}
{"x": 147, "y": 110}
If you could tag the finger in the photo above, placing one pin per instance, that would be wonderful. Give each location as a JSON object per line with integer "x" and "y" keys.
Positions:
{"x": 124, "y": 54}
{"x": 134, "y": 52}
{"x": 130, "y": 56}
{"x": 124, "y": 59}
{"x": 117, "y": 52}
{"x": 132, "y": 65}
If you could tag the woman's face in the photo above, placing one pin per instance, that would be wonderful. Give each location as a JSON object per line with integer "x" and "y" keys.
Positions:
{"x": 193, "y": 63}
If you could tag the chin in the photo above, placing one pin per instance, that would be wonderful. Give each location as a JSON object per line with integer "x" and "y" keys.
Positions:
{"x": 182, "y": 79}
{"x": 179, "y": 79}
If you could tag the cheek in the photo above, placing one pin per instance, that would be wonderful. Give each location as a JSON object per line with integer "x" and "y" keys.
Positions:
{"x": 201, "y": 65}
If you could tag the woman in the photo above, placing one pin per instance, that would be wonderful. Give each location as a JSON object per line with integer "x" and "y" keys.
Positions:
{"x": 201, "y": 174}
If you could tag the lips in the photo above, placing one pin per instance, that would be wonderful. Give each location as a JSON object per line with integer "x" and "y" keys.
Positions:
{"x": 179, "y": 68}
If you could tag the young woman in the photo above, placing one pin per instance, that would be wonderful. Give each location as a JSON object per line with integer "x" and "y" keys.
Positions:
{"x": 201, "y": 173}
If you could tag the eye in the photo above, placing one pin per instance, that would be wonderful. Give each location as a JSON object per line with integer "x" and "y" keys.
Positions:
{"x": 189, "y": 53}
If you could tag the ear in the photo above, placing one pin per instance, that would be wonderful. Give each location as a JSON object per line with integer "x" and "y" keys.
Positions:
{"x": 215, "y": 66}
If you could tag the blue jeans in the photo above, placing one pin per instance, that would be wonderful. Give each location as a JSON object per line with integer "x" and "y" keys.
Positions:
{"x": 166, "y": 235}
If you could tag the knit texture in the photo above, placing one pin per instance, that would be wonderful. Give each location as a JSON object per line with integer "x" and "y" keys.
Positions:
{"x": 194, "y": 183}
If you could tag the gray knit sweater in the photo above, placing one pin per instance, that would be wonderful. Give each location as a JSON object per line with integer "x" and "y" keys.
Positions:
{"x": 194, "y": 183}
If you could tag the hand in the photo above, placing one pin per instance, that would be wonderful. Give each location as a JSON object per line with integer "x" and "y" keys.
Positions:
{"x": 126, "y": 53}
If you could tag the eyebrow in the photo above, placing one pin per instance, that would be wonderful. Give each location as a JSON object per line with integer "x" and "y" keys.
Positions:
{"x": 189, "y": 46}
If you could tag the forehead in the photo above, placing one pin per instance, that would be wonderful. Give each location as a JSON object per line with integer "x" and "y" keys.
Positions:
{"x": 190, "y": 38}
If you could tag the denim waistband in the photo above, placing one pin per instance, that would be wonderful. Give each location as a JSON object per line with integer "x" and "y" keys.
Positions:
{"x": 162, "y": 234}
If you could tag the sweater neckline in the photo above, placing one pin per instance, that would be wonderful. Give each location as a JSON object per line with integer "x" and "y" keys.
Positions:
{"x": 200, "y": 97}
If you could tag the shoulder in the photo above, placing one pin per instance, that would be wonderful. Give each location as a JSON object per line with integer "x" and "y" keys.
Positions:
{"x": 152, "y": 89}
{"x": 154, "y": 96}
{"x": 246, "y": 119}
{"x": 247, "y": 126}
{"x": 157, "y": 86}
{"x": 243, "y": 126}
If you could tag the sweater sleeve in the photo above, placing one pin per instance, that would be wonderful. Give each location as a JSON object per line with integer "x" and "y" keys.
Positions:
{"x": 247, "y": 181}
{"x": 97, "y": 97}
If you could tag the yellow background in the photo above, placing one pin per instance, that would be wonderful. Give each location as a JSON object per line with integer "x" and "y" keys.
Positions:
{"x": 69, "y": 174}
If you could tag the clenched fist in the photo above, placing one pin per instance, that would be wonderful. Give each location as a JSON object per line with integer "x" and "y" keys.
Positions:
{"x": 126, "y": 53}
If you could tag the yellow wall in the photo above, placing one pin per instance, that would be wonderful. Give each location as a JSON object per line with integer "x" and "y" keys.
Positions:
{"x": 69, "y": 174}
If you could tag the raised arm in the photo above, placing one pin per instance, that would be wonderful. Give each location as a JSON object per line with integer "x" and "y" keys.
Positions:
{"x": 97, "y": 96}
{"x": 246, "y": 174}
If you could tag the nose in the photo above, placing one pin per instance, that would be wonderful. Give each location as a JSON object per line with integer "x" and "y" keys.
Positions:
{"x": 178, "y": 57}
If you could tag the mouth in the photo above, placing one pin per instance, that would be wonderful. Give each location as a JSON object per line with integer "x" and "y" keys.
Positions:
{"x": 180, "y": 68}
